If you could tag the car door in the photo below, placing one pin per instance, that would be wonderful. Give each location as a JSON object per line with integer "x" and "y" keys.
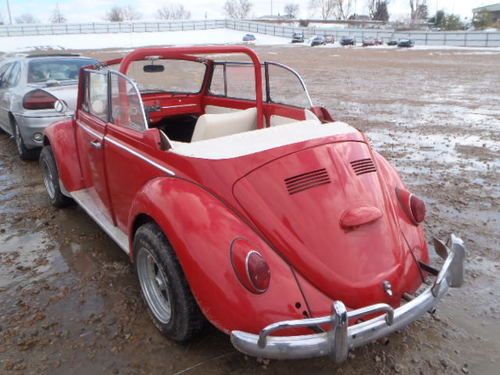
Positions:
{"x": 130, "y": 160}
{"x": 5, "y": 70}
{"x": 91, "y": 120}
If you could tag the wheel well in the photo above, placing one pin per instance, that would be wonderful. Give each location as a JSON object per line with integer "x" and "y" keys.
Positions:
{"x": 12, "y": 120}
{"x": 140, "y": 220}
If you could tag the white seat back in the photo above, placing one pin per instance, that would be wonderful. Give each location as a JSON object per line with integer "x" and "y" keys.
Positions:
{"x": 219, "y": 125}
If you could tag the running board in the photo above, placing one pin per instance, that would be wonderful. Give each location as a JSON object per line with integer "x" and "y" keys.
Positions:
{"x": 84, "y": 199}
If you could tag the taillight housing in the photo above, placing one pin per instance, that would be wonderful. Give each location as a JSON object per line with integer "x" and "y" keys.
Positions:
{"x": 413, "y": 206}
{"x": 39, "y": 99}
{"x": 250, "y": 267}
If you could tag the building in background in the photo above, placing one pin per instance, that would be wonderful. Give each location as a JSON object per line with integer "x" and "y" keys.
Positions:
{"x": 490, "y": 12}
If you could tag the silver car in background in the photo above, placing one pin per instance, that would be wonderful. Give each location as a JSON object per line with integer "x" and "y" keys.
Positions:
{"x": 29, "y": 87}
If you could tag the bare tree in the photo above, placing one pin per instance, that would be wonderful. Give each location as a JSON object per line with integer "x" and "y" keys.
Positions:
{"x": 130, "y": 14}
{"x": 173, "y": 12}
{"x": 326, "y": 8}
{"x": 57, "y": 16}
{"x": 418, "y": 9}
{"x": 291, "y": 10}
{"x": 379, "y": 10}
{"x": 237, "y": 9}
{"x": 26, "y": 18}
{"x": 120, "y": 14}
{"x": 343, "y": 9}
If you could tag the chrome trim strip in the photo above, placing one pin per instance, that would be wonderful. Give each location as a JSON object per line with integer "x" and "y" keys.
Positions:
{"x": 179, "y": 106}
{"x": 341, "y": 338}
{"x": 138, "y": 154}
{"x": 90, "y": 130}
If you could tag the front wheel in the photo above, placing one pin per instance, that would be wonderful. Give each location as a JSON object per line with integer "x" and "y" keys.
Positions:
{"x": 171, "y": 305}
{"x": 51, "y": 178}
{"x": 24, "y": 152}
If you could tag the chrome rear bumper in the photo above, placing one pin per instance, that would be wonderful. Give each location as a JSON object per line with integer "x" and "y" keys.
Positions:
{"x": 341, "y": 337}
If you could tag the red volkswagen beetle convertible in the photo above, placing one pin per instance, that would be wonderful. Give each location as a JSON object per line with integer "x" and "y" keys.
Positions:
{"x": 241, "y": 203}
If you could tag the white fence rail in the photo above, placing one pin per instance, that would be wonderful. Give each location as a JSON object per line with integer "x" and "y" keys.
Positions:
{"x": 431, "y": 38}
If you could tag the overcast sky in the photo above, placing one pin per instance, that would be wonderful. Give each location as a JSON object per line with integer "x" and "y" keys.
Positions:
{"x": 94, "y": 10}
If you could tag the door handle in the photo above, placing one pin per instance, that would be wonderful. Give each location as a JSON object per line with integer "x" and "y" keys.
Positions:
{"x": 96, "y": 144}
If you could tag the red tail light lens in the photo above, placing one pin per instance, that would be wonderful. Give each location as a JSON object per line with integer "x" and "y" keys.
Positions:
{"x": 39, "y": 99}
{"x": 413, "y": 206}
{"x": 258, "y": 271}
{"x": 250, "y": 267}
{"x": 417, "y": 207}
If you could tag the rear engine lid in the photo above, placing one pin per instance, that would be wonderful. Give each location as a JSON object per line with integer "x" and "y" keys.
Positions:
{"x": 323, "y": 209}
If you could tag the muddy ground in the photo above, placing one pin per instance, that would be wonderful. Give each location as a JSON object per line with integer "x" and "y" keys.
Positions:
{"x": 69, "y": 301}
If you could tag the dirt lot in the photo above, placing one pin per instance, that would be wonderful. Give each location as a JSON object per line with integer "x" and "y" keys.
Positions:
{"x": 69, "y": 301}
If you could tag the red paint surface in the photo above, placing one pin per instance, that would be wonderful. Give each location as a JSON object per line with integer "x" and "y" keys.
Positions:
{"x": 313, "y": 258}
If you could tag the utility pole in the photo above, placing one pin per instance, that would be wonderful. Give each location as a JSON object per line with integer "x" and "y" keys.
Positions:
{"x": 271, "y": 7}
{"x": 8, "y": 11}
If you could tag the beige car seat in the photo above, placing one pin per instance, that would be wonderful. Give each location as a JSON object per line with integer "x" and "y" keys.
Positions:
{"x": 210, "y": 126}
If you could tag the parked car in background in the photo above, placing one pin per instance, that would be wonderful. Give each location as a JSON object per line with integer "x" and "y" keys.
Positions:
{"x": 329, "y": 39}
{"x": 317, "y": 40}
{"x": 249, "y": 38}
{"x": 392, "y": 42}
{"x": 29, "y": 87}
{"x": 406, "y": 43}
{"x": 298, "y": 37}
{"x": 348, "y": 41}
{"x": 259, "y": 213}
{"x": 367, "y": 42}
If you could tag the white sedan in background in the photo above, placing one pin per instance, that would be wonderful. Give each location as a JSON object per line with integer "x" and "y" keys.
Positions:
{"x": 29, "y": 87}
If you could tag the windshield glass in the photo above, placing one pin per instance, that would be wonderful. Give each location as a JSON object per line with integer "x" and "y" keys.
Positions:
{"x": 58, "y": 69}
{"x": 177, "y": 76}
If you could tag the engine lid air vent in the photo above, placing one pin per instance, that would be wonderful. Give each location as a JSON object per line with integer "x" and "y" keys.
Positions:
{"x": 363, "y": 166}
{"x": 304, "y": 181}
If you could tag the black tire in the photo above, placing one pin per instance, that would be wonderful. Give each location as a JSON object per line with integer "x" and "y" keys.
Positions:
{"x": 186, "y": 320}
{"x": 51, "y": 179}
{"x": 24, "y": 152}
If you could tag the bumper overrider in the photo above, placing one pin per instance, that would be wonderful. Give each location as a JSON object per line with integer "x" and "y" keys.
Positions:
{"x": 341, "y": 337}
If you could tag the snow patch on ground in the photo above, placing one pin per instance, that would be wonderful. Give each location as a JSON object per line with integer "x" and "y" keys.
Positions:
{"x": 131, "y": 40}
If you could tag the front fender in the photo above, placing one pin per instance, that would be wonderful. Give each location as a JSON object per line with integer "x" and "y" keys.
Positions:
{"x": 61, "y": 137}
{"x": 201, "y": 229}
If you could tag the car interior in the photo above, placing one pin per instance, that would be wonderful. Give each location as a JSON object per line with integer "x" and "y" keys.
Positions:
{"x": 222, "y": 104}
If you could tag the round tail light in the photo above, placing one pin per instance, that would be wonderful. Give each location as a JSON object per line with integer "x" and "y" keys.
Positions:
{"x": 413, "y": 206}
{"x": 250, "y": 267}
{"x": 417, "y": 207}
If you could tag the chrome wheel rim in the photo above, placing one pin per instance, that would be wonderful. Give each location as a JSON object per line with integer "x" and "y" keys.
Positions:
{"x": 19, "y": 141}
{"x": 48, "y": 179}
{"x": 154, "y": 284}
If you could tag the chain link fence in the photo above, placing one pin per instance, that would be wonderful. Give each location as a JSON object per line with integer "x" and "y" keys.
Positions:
{"x": 428, "y": 38}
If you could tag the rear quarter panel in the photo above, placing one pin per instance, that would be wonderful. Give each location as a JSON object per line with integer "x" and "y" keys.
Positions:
{"x": 201, "y": 229}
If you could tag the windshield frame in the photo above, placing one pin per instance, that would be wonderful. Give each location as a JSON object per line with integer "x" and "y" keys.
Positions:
{"x": 267, "y": 88}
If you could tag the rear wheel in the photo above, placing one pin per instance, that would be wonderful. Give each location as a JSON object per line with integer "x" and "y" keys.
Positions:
{"x": 51, "y": 178}
{"x": 171, "y": 305}
{"x": 24, "y": 152}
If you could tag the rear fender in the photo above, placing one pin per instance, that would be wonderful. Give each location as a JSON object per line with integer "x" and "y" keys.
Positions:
{"x": 61, "y": 137}
{"x": 201, "y": 229}
{"x": 413, "y": 234}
